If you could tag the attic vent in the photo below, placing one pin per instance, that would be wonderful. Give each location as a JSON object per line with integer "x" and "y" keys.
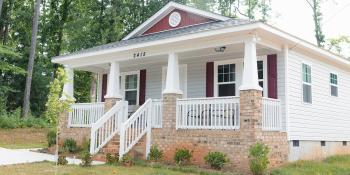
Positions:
{"x": 174, "y": 19}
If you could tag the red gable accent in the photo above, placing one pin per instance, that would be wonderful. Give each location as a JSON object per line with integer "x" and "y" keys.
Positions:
{"x": 187, "y": 19}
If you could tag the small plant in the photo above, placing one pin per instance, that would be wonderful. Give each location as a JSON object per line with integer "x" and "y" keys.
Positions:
{"x": 112, "y": 160}
{"x": 70, "y": 145}
{"x": 155, "y": 154}
{"x": 183, "y": 156}
{"x": 51, "y": 137}
{"x": 86, "y": 159}
{"x": 62, "y": 160}
{"x": 127, "y": 160}
{"x": 216, "y": 160}
{"x": 258, "y": 154}
{"x": 85, "y": 146}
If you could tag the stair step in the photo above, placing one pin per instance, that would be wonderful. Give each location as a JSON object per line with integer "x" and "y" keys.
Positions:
{"x": 110, "y": 150}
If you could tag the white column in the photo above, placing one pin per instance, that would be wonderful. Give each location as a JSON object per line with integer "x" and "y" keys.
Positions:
{"x": 172, "y": 85}
{"x": 113, "y": 90}
{"x": 68, "y": 87}
{"x": 250, "y": 69}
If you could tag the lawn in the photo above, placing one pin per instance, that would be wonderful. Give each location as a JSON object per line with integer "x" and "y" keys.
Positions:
{"x": 46, "y": 168}
{"x": 336, "y": 165}
{"x": 21, "y": 138}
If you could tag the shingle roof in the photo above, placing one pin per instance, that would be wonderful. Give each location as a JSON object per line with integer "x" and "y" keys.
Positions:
{"x": 163, "y": 35}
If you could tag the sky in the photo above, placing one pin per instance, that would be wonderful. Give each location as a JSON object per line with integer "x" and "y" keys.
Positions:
{"x": 295, "y": 17}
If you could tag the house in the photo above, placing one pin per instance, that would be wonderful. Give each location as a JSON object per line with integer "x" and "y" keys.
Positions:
{"x": 195, "y": 79}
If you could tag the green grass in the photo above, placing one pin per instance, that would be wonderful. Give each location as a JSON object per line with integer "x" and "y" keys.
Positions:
{"x": 335, "y": 165}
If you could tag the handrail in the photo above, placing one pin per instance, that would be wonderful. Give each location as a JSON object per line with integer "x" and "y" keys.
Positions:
{"x": 271, "y": 114}
{"x": 107, "y": 126}
{"x": 84, "y": 114}
{"x": 133, "y": 129}
{"x": 157, "y": 113}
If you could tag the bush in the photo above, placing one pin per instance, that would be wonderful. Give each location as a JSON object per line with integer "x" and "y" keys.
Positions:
{"x": 183, "y": 156}
{"x": 216, "y": 160}
{"x": 62, "y": 160}
{"x": 112, "y": 160}
{"x": 8, "y": 123}
{"x": 127, "y": 160}
{"x": 51, "y": 137}
{"x": 85, "y": 144}
{"x": 13, "y": 120}
{"x": 86, "y": 159}
{"x": 258, "y": 154}
{"x": 70, "y": 145}
{"x": 155, "y": 154}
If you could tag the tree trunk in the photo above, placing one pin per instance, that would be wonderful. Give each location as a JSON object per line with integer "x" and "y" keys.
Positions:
{"x": 26, "y": 101}
{"x": 93, "y": 88}
{"x": 7, "y": 22}
{"x": 1, "y": 1}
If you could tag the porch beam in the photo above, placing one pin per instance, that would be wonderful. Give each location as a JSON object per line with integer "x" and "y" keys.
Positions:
{"x": 172, "y": 85}
{"x": 113, "y": 90}
{"x": 68, "y": 87}
{"x": 250, "y": 69}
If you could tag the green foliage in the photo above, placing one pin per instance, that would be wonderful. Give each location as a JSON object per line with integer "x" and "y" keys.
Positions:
{"x": 85, "y": 146}
{"x": 216, "y": 160}
{"x": 183, "y": 156}
{"x": 112, "y": 159}
{"x": 70, "y": 145}
{"x": 51, "y": 137}
{"x": 13, "y": 119}
{"x": 82, "y": 82}
{"x": 62, "y": 160}
{"x": 55, "y": 105}
{"x": 155, "y": 154}
{"x": 86, "y": 159}
{"x": 258, "y": 154}
{"x": 127, "y": 160}
{"x": 339, "y": 45}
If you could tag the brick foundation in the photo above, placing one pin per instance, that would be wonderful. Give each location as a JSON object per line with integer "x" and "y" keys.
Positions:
{"x": 234, "y": 143}
{"x": 78, "y": 134}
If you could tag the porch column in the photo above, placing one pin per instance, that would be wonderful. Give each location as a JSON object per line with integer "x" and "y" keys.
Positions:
{"x": 172, "y": 85}
{"x": 113, "y": 91}
{"x": 250, "y": 69}
{"x": 68, "y": 87}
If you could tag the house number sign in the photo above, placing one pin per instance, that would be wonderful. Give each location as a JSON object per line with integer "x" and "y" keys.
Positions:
{"x": 139, "y": 54}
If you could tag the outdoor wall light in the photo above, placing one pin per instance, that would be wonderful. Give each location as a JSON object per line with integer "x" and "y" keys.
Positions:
{"x": 220, "y": 49}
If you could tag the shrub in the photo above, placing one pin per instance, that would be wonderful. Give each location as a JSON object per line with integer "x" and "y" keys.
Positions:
{"x": 183, "y": 156}
{"x": 8, "y": 123}
{"x": 51, "y": 137}
{"x": 112, "y": 160}
{"x": 258, "y": 154}
{"x": 62, "y": 160}
{"x": 127, "y": 160}
{"x": 86, "y": 159}
{"x": 216, "y": 160}
{"x": 70, "y": 145}
{"x": 85, "y": 144}
{"x": 155, "y": 154}
{"x": 13, "y": 120}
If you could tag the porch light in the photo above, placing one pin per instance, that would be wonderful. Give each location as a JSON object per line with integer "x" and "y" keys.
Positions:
{"x": 220, "y": 49}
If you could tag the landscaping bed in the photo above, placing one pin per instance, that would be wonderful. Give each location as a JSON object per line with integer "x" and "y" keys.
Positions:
{"x": 23, "y": 138}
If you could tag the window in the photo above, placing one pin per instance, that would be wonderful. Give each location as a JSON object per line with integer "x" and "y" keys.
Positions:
{"x": 306, "y": 76}
{"x": 226, "y": 80}
{"x": 295, "y": 143}
{"x": 131, "y": 89}
{"x": 345, "y": 143}
{"x": 334, "y": 84}
{"x": 261, "y": 74}
{"x": 323, "y": 143}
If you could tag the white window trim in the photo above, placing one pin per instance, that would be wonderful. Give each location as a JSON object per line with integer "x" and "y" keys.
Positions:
{"x": 265, "y": 80}
{"x": 181, "y": 66}
{"x": 122, "y": 84}
{"x": 331, "y": 84}
{"x": 302, "y": 83}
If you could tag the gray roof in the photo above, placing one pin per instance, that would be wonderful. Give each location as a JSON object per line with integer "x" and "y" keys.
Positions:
{"x": 164, "y": 35}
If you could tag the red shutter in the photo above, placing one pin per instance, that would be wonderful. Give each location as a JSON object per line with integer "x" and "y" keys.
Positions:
{"x": 142, "y": 94}
{"x": 272, "y": 76}
{"x": 210, "y": 79}
{"x": 104, "y": 87}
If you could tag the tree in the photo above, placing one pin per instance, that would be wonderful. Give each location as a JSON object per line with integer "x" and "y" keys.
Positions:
{"x": 26, "y": 100}
{"x": 1, "y": 1}
{"x": 315, "y": 6}
{"x": 339, "y": 45}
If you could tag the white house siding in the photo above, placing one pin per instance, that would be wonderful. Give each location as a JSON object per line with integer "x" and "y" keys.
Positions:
{"x": 281, "y": 86}
{"x": 327, "y": 118}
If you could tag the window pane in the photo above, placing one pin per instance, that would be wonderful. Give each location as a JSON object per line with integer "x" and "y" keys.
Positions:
{"x": 131, "y": 81}
{"x": 226, "y": 73}
{"x": 306, "y": 73}
{"x": 334, "y": 91}
{"x": 220, "y": 69}
{"x": 232, "y": 76}
{"x": 261, "y": 69}
{"x": 307, "y": 94}
{"x": 261, "y": 83}
{"x": 226, "y": 77}
{"x": 221, "y": 78}
{"x": 131, "y": 96}
{"x": 227, "y": 90}
{"x": 333, "y": 79}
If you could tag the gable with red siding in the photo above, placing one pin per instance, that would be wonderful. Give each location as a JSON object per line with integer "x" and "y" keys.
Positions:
{"x": 187, "y": 19}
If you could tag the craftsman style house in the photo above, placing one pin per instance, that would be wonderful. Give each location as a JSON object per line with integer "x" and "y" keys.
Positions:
{"x": 195, "y": 79}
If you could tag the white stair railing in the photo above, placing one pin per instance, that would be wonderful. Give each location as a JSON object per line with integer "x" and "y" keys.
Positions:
{"x": 84, "y": 114}
{"x": 157, "y": 113}
{"x": 107, "y": 126}
{"x": 133, "y": 129}
{"x": 271, "y": 114}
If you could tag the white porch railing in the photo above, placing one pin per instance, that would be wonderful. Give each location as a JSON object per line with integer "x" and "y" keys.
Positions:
{"x": 107, "y": 126}
{"x": 208, "y": 113}
{"x": 157, "y": 113}
{"x": 84, "y": 114}
{"x": 133, "y": 129}
{"x": 271, "y": 114}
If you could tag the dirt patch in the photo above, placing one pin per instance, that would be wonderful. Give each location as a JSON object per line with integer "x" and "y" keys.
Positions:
{"x": 21, "y": 138}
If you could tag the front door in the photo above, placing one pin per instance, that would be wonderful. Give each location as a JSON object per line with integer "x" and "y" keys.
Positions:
{"x": 130, "y": 89}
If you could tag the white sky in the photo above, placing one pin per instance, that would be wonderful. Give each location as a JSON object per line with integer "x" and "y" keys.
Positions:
{"x": 295, "y": 17}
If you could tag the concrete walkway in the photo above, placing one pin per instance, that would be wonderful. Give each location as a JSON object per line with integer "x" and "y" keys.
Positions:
{"x": 19, "y": 156}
